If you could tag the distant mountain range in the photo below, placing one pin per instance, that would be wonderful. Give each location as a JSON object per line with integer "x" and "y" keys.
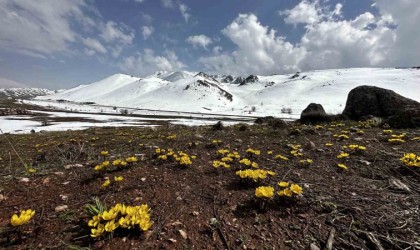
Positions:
{"x": 268, "y": 95}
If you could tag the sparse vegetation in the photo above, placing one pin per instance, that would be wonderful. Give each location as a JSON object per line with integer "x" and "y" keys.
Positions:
{"x": 197, "y": 181}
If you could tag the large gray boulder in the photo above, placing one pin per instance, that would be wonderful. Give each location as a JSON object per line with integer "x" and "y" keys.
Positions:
{"x": 369, "y": 100}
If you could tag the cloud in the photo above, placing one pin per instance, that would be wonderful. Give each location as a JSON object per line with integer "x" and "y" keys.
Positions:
{"x": 118, "y": 36}
{"x": 387, "y": 39}
{"x": 199, "y": 40}
{"x": 184, "y": 12}
{"x": 41, "y": 27}
{"x": 167, "y": 3}
{"x": 139, "y": 1}
{"x": 304, "y": 12}
{"x": 184, "y": 9}
{"x": 7, "y": 83}
{"x": 259, "y": 50}
{"x": 217, "y": 50}
{"x": 95, "y": 45}
{"x": 147, "y": 31}
{"x": 147, "y": 62}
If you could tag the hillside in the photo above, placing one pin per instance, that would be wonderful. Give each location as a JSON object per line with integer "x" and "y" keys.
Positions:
{"x": 24, "y": 93}
{"x": 199, "y": 92}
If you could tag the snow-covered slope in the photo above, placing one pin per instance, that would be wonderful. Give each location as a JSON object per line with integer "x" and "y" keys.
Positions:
{"x": 267, "y": 95}
{"x": 24, "y": 93}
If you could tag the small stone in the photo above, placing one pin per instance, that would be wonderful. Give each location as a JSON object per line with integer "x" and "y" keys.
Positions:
{"x": 358, "y": 139}
{"x": 2, "y": 197}
{"x": 179, "y": 198}
{"x": 73, "y": 166}
{"x": 66, "y": 183}
{"x": 46, "y": 181}
{"x": 61, "y": 208}
{"x": 195, "y": 213}
{"x": 313, "y": 246}
{"x": 172, "y": 240}
{"x": 176, "y": 223}
{"x": 59, "y": 173}
{"x": 64, "y": 197}
{"x": 143, "y": 179}
{"x": 124, "y": 239}
{"x": 183, "y": 234}
{"x": 24, "y": 179}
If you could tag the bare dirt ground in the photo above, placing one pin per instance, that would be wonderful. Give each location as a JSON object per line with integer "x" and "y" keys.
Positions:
{"x": 374, "y": 204}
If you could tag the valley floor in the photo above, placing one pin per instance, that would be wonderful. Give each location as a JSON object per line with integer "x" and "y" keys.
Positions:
{"x": 374, "y": 203}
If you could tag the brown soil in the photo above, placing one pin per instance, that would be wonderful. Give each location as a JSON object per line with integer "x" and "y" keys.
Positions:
{"x": 362, "y": 205}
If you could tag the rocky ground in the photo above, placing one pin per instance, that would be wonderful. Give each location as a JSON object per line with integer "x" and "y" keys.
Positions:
{"x": 373, "y": 204}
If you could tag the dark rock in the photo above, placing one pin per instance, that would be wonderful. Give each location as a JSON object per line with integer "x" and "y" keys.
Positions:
{"x": 313, "y": 113}
{"x": 227, "y": 79}
{"x": 271, "y": 121}
{"x": 238, "y": 80}
{"x": 218, "y": 126}
{"x": 249, "y": 79}
{"x": 370, "y": 100}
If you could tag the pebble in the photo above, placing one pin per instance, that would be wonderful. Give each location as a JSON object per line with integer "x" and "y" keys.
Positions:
{"x": 61, "y": 208}
{"x": 24, "y": 179}
{"x": 183, "y": 234}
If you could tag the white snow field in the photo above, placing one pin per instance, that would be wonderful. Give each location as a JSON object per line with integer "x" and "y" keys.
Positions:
{"x": 193, "y": 98}
{"x": 191, "y": 92}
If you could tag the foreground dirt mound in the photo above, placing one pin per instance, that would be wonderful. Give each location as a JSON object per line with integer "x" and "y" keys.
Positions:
{"x": 370, "y": 100}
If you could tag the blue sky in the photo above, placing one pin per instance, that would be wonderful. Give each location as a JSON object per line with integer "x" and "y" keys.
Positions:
{"x": 61, "y": 44}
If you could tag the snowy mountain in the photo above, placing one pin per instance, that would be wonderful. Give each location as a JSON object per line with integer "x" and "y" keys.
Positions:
{"x": 24, "y": 93}
{"x": 259, "y": 95}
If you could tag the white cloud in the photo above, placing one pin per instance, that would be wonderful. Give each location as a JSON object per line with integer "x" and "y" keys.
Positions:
{"x": 405, "y": 14}
{"x": 139, "y": 1}
{"x": 304, "y": 12}
{"x": 41, "y": 27}
{"x": 113, "y": 32}
{"x": 118, "y": 36}
{"x": 199, "y": 40}
{"x": 147, "y": 31}
{"x": 217, "y": 50}
{"x": 259, "y": 50}
{"x": 329, "y": 41}
{"x": 95, "y": 45}
{"x": 167, "y": 3}
{"x": 146, "y": 63}
{"x": 184, "y": 12}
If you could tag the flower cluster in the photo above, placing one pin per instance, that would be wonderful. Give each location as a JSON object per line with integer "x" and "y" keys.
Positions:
{"x": 265, "y": 192}
{"x": 411, "y": 160}
{"x": 341, "y": 137}
{"x": 24, "y": 217}
{"x": 279, "y": 156}
{"x": 254, "y": 174}
{"x": 104, "y": 153}
{"x": 120, "y": 216}
{"x": 248, "y": 162}
{"x": 342, "y": 155}
{"x": 218, "y": 164}
{"x": 342, "y": 166}
{"x": 171, "y": 137}
{"x": 397, "y": 138}
{"x": 355, "y": 148}
{"x": 289, "y": 189}
{"x": 251, "y": 151}
{"x": 306, "y": 162}
{"x": 296, "y": 150}
{"x": 181, "y": 157}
